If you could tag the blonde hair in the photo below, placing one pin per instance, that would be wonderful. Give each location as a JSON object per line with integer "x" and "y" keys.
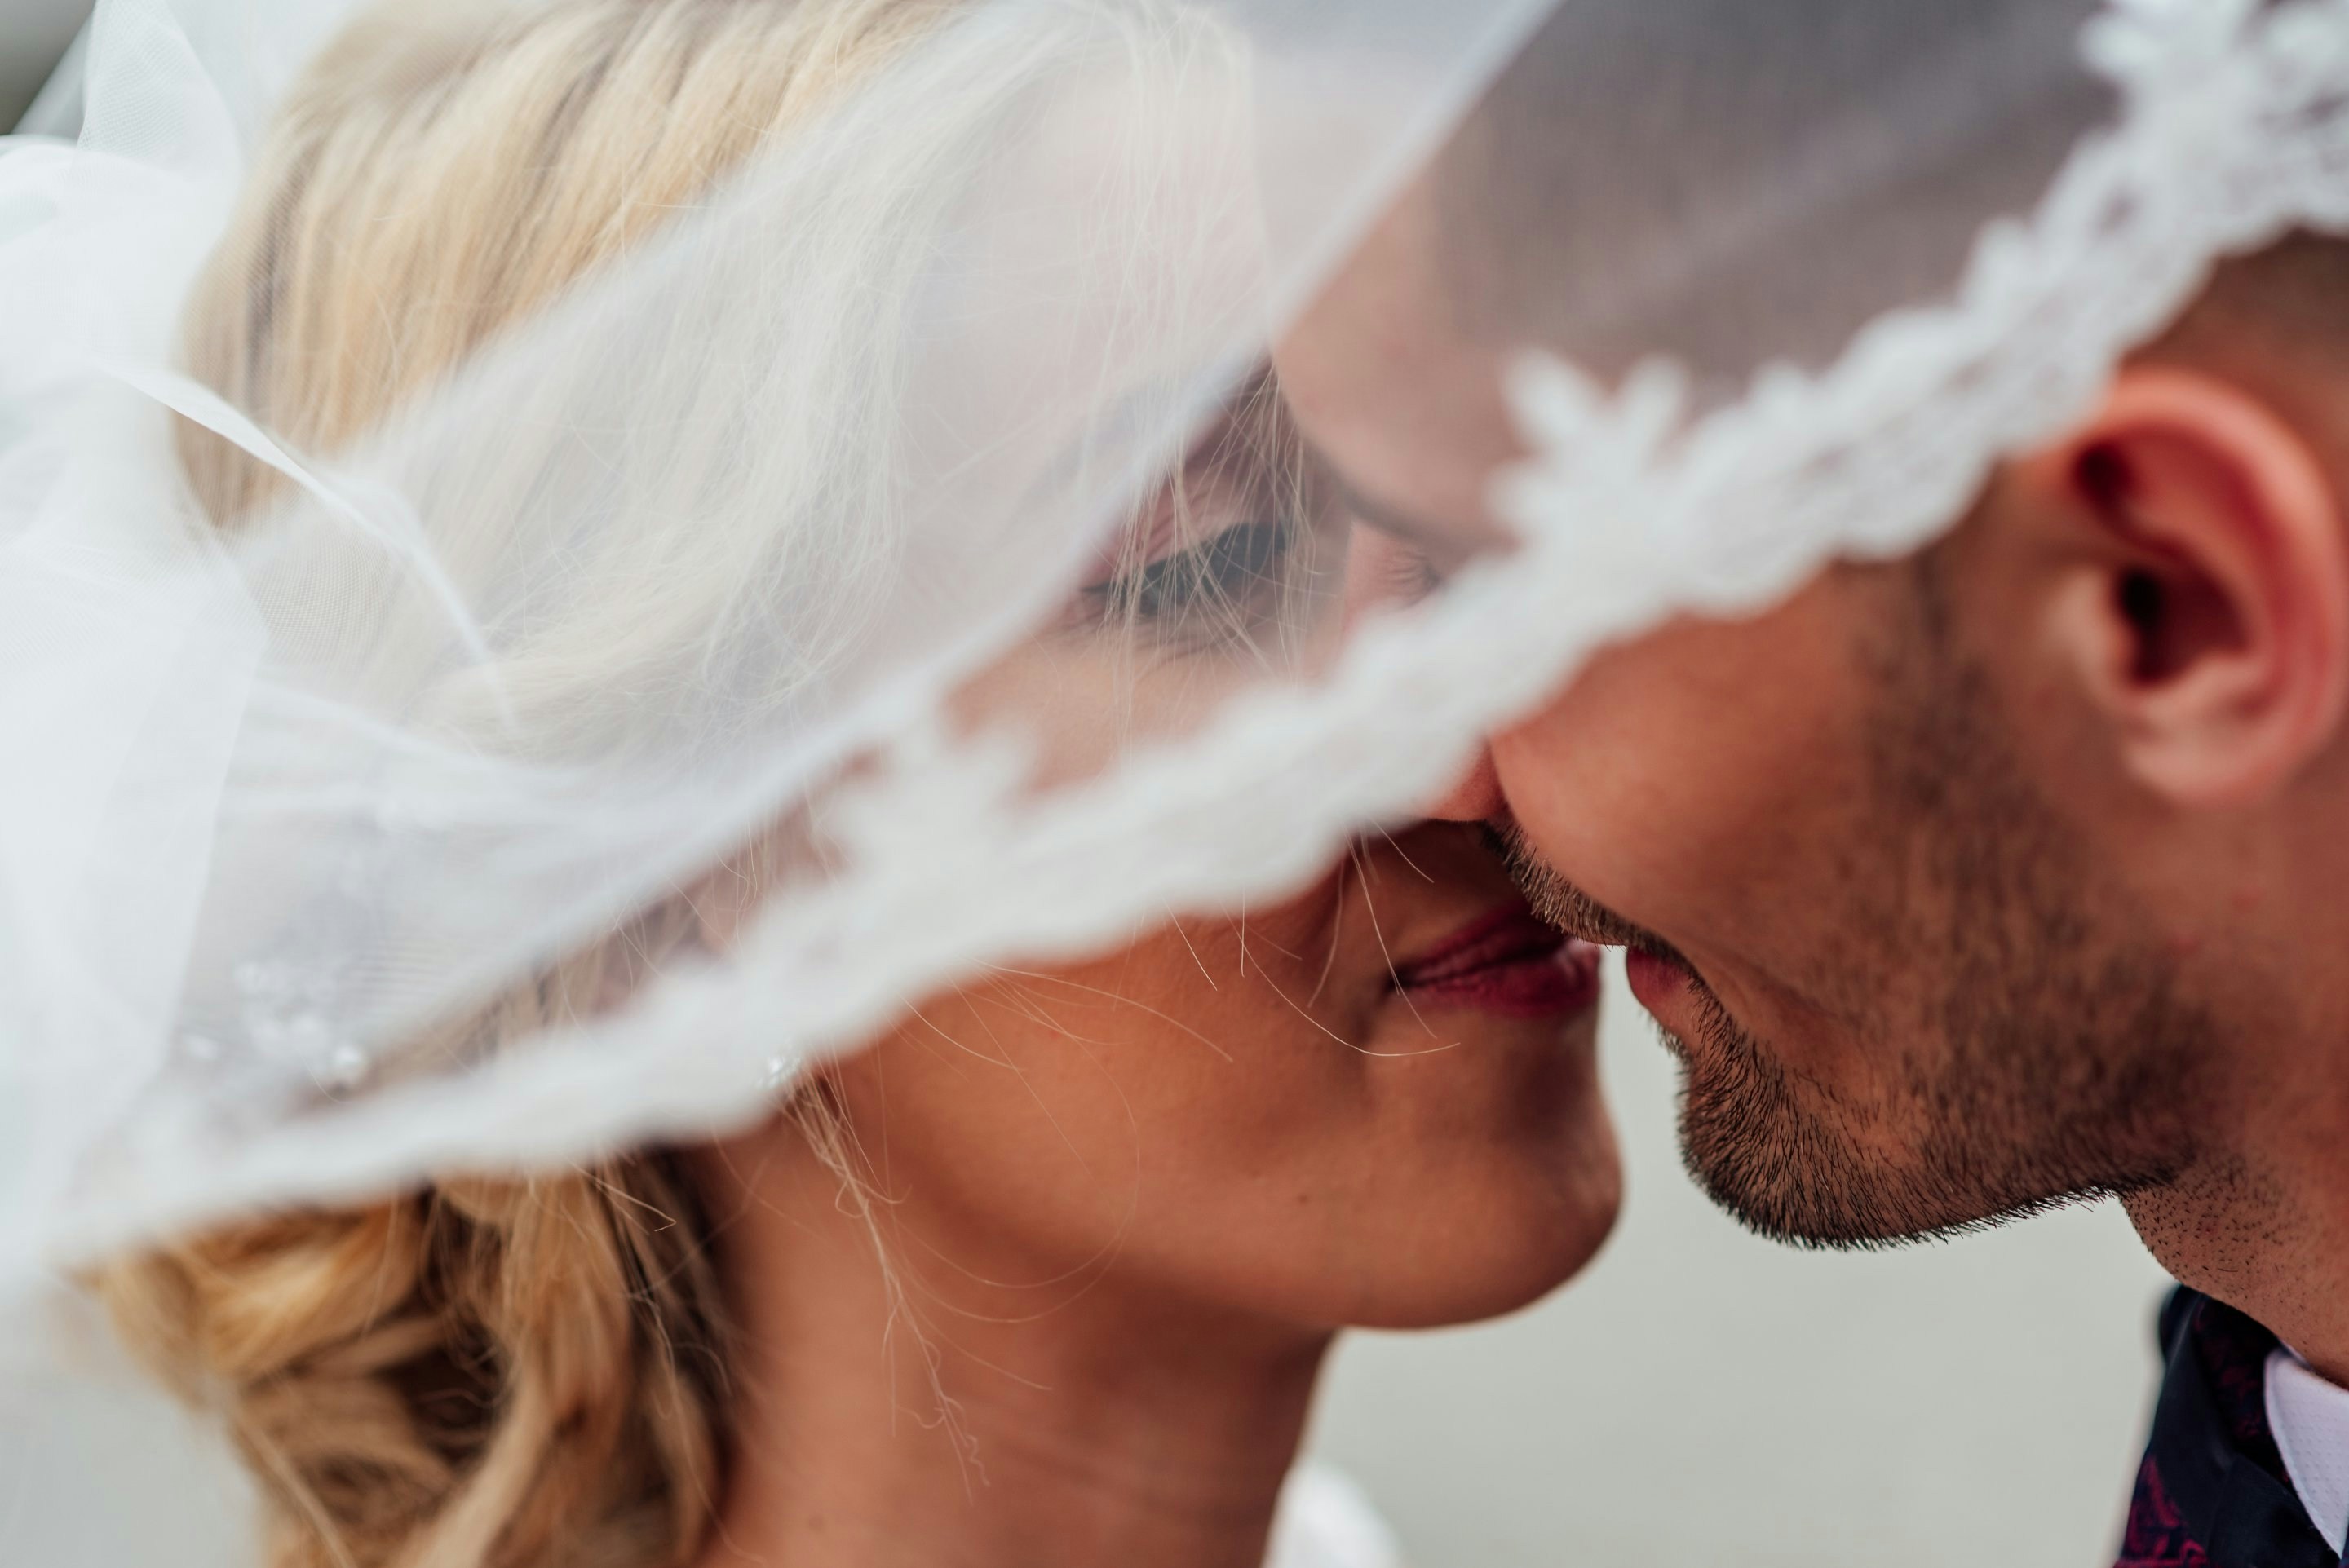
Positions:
{"x": 469, "y": 162}
{"x": 519, "y": 1373}
{"x": 532, "y": 1373}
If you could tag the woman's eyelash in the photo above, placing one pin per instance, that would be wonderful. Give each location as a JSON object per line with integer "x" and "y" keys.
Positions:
{"x": 1228, "y": 569}
{"x": 1412, "y": 576}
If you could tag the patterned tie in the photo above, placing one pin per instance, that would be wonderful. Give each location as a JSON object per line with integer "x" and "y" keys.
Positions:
{"x": 2212, "y": 1491}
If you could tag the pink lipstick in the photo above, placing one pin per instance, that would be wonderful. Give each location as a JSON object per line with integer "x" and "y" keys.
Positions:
{"x": 1510, "y": 963}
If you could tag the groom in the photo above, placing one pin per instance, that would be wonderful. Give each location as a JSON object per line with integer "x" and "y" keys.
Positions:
{"x": 2012, "y": 873}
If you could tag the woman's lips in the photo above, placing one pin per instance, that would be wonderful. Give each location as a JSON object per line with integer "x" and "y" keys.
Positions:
{"x": 1511, "y": 964}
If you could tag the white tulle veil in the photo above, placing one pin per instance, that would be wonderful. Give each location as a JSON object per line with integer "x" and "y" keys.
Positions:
{"x": 750, "y": 554}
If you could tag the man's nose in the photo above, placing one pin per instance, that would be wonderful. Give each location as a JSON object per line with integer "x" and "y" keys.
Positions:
{"x": 1476, "y": 797}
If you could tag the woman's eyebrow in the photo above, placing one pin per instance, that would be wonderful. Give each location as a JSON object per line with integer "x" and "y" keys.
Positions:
{"x": 1442, "y": 542}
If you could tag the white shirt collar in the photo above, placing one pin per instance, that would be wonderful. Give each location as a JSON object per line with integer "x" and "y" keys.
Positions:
{"x": 2309, "y": 1418}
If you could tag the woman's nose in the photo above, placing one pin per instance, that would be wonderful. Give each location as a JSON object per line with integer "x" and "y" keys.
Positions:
{"x": 1475, "y": 798}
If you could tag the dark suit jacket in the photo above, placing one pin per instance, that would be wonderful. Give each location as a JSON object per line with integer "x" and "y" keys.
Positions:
{"x": 2212, "y": 1491}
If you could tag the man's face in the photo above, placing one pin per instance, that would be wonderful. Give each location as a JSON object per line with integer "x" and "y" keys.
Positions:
{"x": 1905, "y": 993}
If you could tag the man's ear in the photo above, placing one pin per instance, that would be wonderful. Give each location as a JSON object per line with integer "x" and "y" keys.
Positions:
{"x": 2206, "y": 603}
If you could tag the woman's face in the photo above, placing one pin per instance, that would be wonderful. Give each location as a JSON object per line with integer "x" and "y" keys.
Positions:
{"x": 1373, "y": 1104}
{"x": 1376, "y": 1104}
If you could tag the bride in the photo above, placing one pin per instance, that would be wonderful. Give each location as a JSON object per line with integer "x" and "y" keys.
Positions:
{"x": 1043, "y": 1271}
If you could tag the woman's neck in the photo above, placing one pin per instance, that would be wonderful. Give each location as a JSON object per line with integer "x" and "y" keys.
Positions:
{"x": 951, "y": 1421}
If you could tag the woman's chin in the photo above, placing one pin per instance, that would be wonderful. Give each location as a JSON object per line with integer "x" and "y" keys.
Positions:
{"x": 1500, "y": 1255}
{"x": 1496, "y": 1201}
{"x": 1503, "y": 1286}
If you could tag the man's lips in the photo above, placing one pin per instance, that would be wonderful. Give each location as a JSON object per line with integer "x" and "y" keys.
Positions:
{"x": 1658, "y": 973}
{"x": 1659, "y": 982}
{"x": 1511, "y": 964}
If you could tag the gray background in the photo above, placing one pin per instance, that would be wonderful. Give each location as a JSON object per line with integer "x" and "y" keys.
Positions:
{"x": 33, "y": 36}
{"x": 1699, "y": 1396}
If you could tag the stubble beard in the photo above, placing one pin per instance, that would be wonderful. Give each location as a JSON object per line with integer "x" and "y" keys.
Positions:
{"x": 2042, "y": 1052}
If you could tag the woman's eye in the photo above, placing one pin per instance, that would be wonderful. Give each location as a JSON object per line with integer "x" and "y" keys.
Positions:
{"x": 1233, "y": 570}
